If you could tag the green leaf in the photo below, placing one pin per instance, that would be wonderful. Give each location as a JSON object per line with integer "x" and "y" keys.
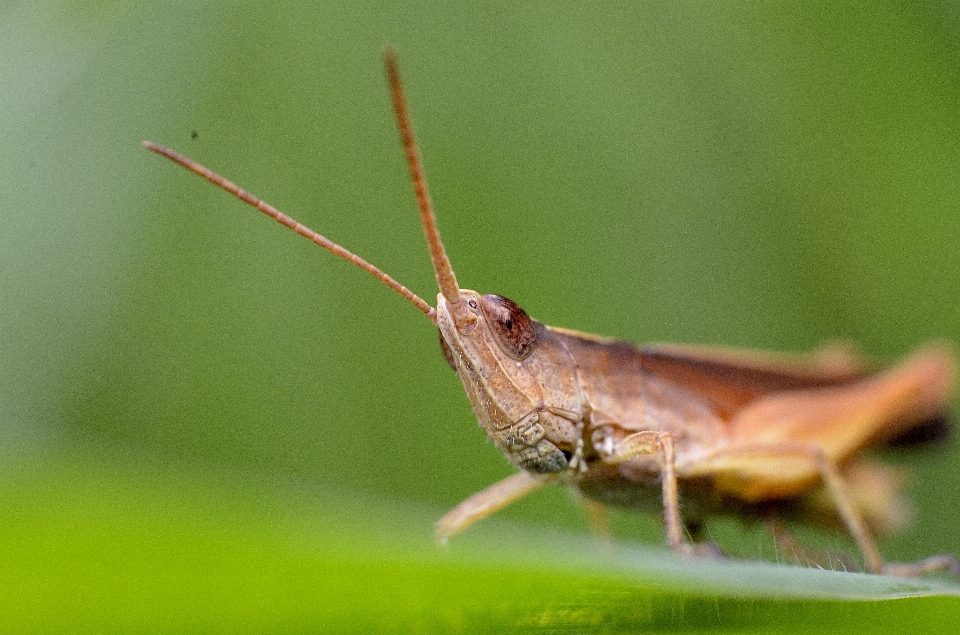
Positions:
{"x": 100, "y": 544}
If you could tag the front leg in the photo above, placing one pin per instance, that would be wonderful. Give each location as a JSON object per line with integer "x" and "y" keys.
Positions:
{"x": 659, "y": 445}
{"x": 488, "y": 501}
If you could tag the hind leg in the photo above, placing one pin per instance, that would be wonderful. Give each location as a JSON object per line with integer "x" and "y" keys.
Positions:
{"x": 753, "y": 472}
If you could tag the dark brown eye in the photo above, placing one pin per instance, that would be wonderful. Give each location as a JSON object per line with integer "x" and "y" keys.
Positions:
{"x": 510, "y": 324}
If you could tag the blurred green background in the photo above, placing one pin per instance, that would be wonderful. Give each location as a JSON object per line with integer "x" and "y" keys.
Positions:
{"x": 762, "y": 175}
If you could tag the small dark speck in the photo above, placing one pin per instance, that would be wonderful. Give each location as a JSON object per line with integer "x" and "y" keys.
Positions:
{"x": 194, "y": 134}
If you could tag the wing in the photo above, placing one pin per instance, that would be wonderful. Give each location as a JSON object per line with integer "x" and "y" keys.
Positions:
{"x": 729, "y": 379}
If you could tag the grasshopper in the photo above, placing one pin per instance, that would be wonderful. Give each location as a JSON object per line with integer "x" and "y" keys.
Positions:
{"x": 722, "y": 430}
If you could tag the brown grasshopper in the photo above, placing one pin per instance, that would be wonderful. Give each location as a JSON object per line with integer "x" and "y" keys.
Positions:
{"x": 722, "y": 430}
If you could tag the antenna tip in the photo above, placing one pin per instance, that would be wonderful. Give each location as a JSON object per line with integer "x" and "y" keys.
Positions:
{"x": 155, "y": 147}
{"x": 392, "y": 63}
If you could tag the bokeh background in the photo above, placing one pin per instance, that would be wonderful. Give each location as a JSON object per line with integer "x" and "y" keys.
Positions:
{"x": 764, "y": 176}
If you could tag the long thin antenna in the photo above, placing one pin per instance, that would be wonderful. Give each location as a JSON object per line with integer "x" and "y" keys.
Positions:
{"x": 441, "y": 264}
{"x": 303, "y": 230}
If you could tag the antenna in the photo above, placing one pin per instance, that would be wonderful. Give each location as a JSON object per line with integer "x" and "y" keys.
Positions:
{"x": 303, "y": 230}
{"x": 441, "y": 264}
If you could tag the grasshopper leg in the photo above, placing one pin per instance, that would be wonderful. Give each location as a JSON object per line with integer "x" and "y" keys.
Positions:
{"x": 487, "y": 502}
{"x": 852, "y": 519}
{"x": 933, "y": 564}
{"x": 788, "y": 545}
{"x": 660, "y": 445}
{"x": 598, "y": 518}
{"x": 858, "y": 529}
{"x": 735, "y": 469}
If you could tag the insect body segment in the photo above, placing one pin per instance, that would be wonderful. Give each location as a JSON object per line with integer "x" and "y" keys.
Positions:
{"x": 724, "y": 431}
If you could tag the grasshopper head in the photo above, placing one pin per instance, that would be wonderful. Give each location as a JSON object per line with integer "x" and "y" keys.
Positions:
{"x": 518, "y": 375}
{"x": 519, "y": 379}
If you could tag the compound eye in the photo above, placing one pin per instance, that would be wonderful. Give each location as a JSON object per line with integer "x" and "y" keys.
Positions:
{"x": 512, "y": 327}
